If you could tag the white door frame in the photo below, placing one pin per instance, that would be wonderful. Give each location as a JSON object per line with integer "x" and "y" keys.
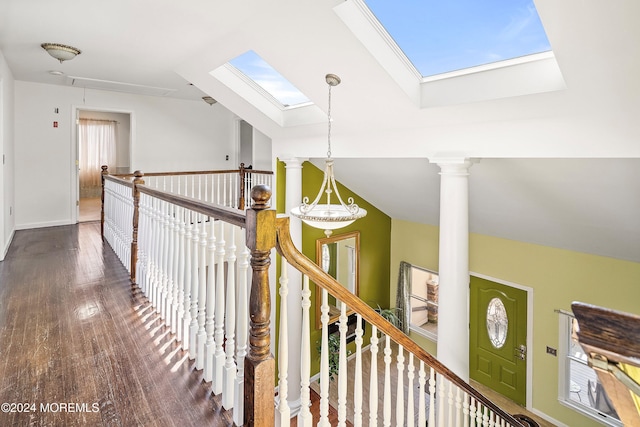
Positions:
{"x": 75, "y": 176}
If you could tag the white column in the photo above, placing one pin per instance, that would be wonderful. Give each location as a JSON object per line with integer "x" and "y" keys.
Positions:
{"x": 293, "y": 198}
{"x": 453, "y": 296}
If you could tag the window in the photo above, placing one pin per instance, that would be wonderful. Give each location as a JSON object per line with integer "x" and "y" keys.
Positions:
{"x": 423, "y": 302}
{"x": 439, "y": 37}
{"x": 267, "y": 78}
{"x": 579, "y": 387}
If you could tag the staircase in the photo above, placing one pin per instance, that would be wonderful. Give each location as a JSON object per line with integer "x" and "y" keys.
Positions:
{"x": 201, "y": 257}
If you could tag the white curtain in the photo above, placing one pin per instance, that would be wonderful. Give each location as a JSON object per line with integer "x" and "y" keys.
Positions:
{"x": 97, "y": 144}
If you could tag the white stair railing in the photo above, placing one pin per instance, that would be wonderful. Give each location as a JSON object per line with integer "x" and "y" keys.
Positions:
{"x": 438, "y": 396}
{"x": 189, "y": 259}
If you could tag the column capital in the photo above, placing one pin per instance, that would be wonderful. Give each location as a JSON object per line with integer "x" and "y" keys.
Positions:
{"x": 293, "y": 162}
{"x": 450, "y": 165}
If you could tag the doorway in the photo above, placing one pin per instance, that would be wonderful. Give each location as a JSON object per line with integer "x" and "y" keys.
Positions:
{"x": 103, "y": 138}
{"x": 498, "y": 338}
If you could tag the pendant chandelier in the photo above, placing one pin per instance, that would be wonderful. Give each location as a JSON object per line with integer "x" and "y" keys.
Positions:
{"x": 328, "y": 216}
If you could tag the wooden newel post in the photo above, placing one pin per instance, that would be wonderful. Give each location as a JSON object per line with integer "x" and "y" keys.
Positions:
{"x": 105, "y": 172}
{"x": 137, "y": 180}
{"x": 242, "y": 185}
{"x": 259, "y": 365}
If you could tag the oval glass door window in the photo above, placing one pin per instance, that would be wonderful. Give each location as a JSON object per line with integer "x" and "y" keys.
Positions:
{"x": 497, "y": 322}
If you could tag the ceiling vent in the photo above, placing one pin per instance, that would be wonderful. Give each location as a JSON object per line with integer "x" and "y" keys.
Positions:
{"x": 117, "y": 86}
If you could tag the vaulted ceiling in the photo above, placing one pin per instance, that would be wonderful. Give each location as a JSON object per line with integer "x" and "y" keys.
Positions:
{"x": 558, "y": 137}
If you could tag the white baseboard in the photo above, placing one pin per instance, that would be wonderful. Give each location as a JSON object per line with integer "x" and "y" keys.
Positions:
{"x": 7, "y": 245}
{"x": 547, "y": 417}
{"x": 43, "y": 224}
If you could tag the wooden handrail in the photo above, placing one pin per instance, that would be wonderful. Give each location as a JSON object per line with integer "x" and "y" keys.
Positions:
{"x": 611, "y": 340}
{"x": 287, "y": 249}
{"x": 119, "y": 180}
{"x": 230, "y": 215}
{"x": 211, "y": 172}
{"x": 613, "y": 330}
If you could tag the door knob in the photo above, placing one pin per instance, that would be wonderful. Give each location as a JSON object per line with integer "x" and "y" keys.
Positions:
{"x": 521, "y": 352}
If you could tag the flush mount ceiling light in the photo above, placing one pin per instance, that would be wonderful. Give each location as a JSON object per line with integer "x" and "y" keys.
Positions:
{"x": 60, "y": 51}
{"x": 328, "y": 217}
{"x": 209, "y": 100}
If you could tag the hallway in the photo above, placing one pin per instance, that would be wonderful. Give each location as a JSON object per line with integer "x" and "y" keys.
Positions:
{"x": 79, "y": 349}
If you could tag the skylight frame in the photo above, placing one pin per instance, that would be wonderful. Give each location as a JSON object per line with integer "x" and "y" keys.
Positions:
{"x": 245, "y": 76}
{"x": 401, "y": 51}
{"x": 531, "y": 74}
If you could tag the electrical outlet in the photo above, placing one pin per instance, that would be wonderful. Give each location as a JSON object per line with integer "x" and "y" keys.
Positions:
{"x": 226, "y": 157}
{"x": 552, "y": 351}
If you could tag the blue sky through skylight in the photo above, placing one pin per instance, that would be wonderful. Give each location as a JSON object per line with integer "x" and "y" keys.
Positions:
{"x": 441, "y": 36}
{"x": 258, "y": 70}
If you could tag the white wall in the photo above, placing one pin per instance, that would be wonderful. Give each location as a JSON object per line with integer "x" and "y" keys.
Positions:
{"x": 262, "y": 157}
{"x": 168, "y": 135}
{"x": 7, "y": 202}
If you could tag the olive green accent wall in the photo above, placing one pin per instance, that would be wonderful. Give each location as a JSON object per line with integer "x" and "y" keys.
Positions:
{"x": 375, "y": 248}
{"x": 418, "y": 245}
{"x": 557, "y": 278}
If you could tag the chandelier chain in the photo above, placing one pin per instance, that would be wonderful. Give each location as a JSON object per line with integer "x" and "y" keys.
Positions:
{"x": 329, "y": 126}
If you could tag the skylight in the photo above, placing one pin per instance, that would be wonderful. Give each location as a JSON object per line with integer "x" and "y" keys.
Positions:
{"x": 442, "y": 36}
{"x": 267, "y": 78}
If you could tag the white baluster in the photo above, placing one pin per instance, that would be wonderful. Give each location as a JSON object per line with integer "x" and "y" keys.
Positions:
{"x": 195, "y": 285}
{"x": 225, "y": 198}
{"x": 410, "y": 395}
{"x": 450, "y": 404}
{"x": 151, "y": 261}
{"x": 485, "y": 416}
{"x": 164, "y": 230}
{"x": 186, "y": 320}
{"x": 174, "y": 268}
{"x": 422, "y": 396}
{"x": 458, "y": 407}
{"x": 284, "y": 411}
{"x": 142, "y": 244}
{"x": 400, "y": 389}
{"x": 230, "y": 345}
{"x": 181, "y": 271}
{"x": 210, "y": 346}
{"x": 201, "y": 336}
{"x": 157, "y": 245}
{"x": 304, "y": 416}
{"x": 169, "y": 266}
{"x": 472, "y": 412}
{"x": 465, "y": 409}
{"x": 386, "y": 410}
{"x": 218, "y": 365}
{"x": 357, "y": 386}
{"x": 441, "y": 415}
{"x": 373, "y": 378}
{"x": 324, "y": 362}
{"x": 342, "y": 366}
{"x": 479, "y": 414}
{"x": 243, "y": 330}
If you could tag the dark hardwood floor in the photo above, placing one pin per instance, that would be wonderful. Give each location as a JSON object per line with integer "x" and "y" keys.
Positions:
{"x": 78, "y": 347}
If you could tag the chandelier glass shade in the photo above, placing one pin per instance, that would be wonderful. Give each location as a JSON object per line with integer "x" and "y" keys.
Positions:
{"x": 328, "y": 216}
{"x": 60, "y": 51}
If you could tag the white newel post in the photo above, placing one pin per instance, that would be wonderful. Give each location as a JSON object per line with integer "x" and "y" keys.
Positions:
{"x": 453, "y": 297}
{"x": 293, "y": 198}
